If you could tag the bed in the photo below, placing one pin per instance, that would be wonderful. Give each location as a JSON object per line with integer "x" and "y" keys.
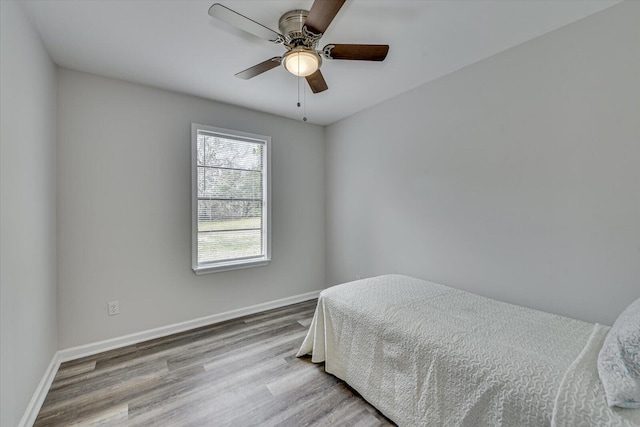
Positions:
{"x": 427, "y": 354}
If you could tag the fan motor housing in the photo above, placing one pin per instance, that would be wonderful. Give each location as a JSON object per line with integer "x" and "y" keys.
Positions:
{"x": 291, "y": 26}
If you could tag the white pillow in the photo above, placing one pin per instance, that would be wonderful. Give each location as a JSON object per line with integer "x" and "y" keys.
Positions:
{"x": 619, "y": 360}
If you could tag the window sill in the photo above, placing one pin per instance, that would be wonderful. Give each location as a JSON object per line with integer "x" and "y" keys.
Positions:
{"x": 232, "y": 265}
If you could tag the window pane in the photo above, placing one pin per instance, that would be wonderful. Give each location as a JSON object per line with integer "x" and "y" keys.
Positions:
{"x": 228, "y": 153}
{"x": 200, "y": 149}
{"x": 229, "y": 184}
{"x": 228, "y": 215}
{"x": 226, "y": 245}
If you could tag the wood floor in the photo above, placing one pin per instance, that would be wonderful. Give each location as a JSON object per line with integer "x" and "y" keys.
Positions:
{"x": 238, "y": 373}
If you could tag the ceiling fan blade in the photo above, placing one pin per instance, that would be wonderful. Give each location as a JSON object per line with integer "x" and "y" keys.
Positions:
{"x": 321, "y": 14}
{"x": 316, "y": 82}
{"x": 231, "y": 17}
{"x": 260, "y": 68}
{"x": 358, "y": 52}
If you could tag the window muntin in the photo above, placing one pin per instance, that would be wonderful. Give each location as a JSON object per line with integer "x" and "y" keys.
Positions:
{"x": 230, "y": 189}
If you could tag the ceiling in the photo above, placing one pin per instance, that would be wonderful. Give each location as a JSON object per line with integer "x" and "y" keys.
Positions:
{"x": 176, "y": 45}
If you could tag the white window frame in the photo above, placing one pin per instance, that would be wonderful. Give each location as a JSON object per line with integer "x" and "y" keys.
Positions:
{"x": 216, "y": 266}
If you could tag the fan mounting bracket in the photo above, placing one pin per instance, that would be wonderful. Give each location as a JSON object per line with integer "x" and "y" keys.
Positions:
{"x": 295, "y": 34}
{"x": 310, "y": 34}
{"x": 326, "y": 51}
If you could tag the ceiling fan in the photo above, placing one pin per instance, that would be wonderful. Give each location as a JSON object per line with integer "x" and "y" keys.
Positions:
{"x": 300, "y": 32}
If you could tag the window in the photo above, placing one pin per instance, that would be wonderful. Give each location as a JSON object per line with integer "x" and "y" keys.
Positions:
{"x": 230, "y": 199}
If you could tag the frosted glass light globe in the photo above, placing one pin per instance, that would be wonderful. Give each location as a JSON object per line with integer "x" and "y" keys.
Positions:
{"x": 301, "y": 62}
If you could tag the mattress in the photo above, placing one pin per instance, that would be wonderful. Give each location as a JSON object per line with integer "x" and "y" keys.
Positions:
{"x": 427, "y": 354}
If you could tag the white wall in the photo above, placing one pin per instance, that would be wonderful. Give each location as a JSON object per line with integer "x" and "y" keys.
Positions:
{"x": 28, "y": 328}
{"x": 124, "y": 217}
{"x": 517, "y": 177}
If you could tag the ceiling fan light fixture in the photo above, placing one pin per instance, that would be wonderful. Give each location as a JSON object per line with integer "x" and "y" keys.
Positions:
{"x": 301, "y": 31}
{"x": 301, "y": 62}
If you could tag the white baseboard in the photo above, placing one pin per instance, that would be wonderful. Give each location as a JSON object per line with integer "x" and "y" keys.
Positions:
{"x": 73, "y": 353}
{"x": 37, "y": 400}
{"x": 113, "y": 343}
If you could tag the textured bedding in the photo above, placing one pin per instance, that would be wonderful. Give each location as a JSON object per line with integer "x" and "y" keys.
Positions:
{"x": 581, "y": 399}
{"x": 427, "y": 354}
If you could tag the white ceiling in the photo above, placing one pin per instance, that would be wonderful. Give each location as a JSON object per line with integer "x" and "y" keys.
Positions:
{"x": 176, "y": 45}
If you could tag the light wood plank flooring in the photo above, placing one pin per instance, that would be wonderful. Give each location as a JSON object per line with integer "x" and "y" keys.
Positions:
{"x": 238, "y": 373}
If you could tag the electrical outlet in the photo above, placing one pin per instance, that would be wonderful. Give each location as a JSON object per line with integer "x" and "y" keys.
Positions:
{"x": 113, "y": 308}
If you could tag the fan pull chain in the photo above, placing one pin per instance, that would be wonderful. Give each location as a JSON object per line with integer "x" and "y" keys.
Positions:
{"x": 304, "y": 94}
{"x": 298, "y": 81}
{"x": 304, "y": 103}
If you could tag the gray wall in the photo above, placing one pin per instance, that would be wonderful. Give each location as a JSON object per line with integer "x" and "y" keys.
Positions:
{"x": 28, "y": 328}
{"x": 517, "y": 177}
{"x": 124, "y": 216}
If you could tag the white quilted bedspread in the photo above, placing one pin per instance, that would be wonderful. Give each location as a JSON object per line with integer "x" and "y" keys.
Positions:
{"x": 429, "y": 355}
{"x": 581, "y": 400}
